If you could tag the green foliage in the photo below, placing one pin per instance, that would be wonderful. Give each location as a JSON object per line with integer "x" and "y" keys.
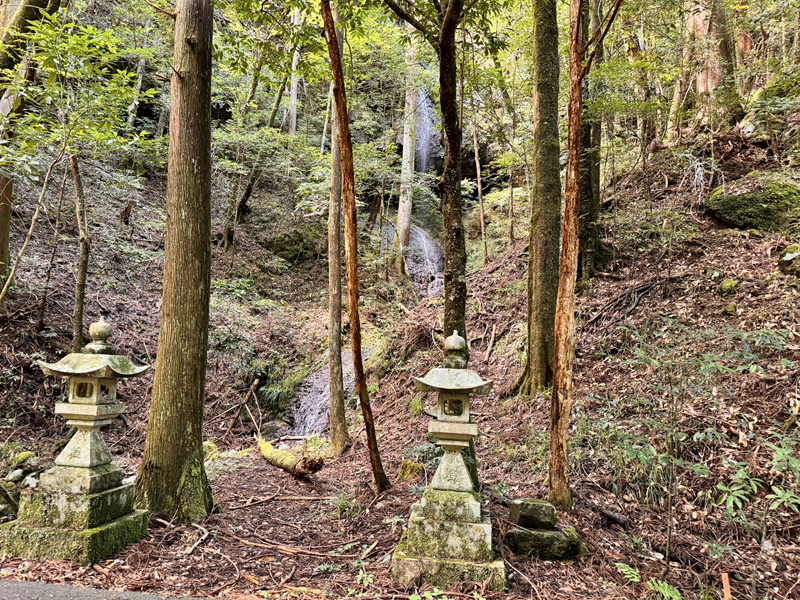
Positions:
{"x": 665, "y": 590}
{"x": 345, "y": 507}
{"x": 628, "y": 572}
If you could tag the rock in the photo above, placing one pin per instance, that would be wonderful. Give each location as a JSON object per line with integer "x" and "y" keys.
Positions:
{"x": 274, "y": 429}
{"x": 409, "y": 470}
{"x": 767, "y": 201}
{"x": 728, "y": 287}
{"x": 791, "y": 145}
{"x": 731, "y": 308}
{"x": 761, "y": 127}
{"x": 15, "y": 475}
{"x": 5, "y": 510}
{"x": 789, "y": 261}
{"x": 31, "y": 481}
{"x": 209, "y": 450}
{"x": 22, "y": 458}
{"x": 545, "y": 544}
{"x": 533, "y": 513}
{"x": 715, "y": 275}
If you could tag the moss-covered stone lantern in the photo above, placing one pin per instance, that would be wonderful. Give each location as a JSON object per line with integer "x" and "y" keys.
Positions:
{"x": 449, "y": 537}
{"x": 81, "y": 509}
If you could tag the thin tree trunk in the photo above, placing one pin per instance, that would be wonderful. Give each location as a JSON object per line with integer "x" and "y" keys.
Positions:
{"x": 511, "y": 207}
{"x": 407, "y": 169}
{"x": 137, "y": 90}
{"x": 351, "y": 243}
{"x": 561, "y": 401}
{"x": 6, "y": 206}
{"x": 340, "y": 438}
{"x": 295, "y": 79}
{"x": 545, "y": 197}
{"x": 325, "y": 123}
{"x": 172, "y": 479}
{"x": 56, "y": 238}
{"x": 480, "y": 184}
{"x": 83, "y": 260}
{"x": 675, "y": 119}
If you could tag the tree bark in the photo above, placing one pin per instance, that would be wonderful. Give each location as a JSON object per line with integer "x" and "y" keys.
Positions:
{"x": 283, "y": 459}
{"x": 351, "y": 243}
{"x": 325, "y": 122}
{"x": 545, "y": 194}
{"x": 83, "y": 260}
{"x": 682, "y": 83}
{"x": 172, "y": 479}
{"x": 709, "y": 20}
{"x": 482, "y": 215}
{"x": 455, "y": 251}
{"x": 340, "y": 438}
{"x": 137, "y": 90}
{"x": 407, "y": 168}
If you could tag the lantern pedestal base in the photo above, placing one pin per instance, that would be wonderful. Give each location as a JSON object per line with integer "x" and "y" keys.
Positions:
{"x": 444, "y": 572}
{"x": 86, "y": 546}
{"x": 449, "y": 539}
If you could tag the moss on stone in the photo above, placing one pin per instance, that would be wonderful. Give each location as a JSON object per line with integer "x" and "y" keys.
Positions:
{"x": 75, "y": 511}
{"x": 727, "y": 287}
{"x": 789, "y": 261}
{"x": 409, "y": 470}
{"x": 443, "y": 505}
{"x": 448, "y": 539}
{"x": 22, "y": 458}
{"x": 768, "y": 201}
{"x": 545, "y": 544}
{"x": 86, "y": 546}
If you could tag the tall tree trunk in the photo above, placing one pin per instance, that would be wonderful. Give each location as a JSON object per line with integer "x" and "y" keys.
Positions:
{"x": 545, "y": 195}
{"x": 293, "y": 86}
{"x": 137, "y": 90}
{"x": 172, "y": 479}
{"x": 511, "y": 206}
{"x": 6, "y": 205}
{"x": 407, "y": 169}
{"x": 455, "y": 251}
{"x": 325, "y": 122}
{"x": 340, "y": 438}
{"x": 561, "y": 400}
{"x": 83, "y": 260}
{"x": 589, "y": 232}
{"x": 709, "y": 20}
{"x": 682, "y": 83}
{"x": 351, "y": 243}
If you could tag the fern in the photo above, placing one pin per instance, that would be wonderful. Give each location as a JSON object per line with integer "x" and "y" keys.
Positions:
{"x": 666, "y": 590}
{"x": 628, "y": 572}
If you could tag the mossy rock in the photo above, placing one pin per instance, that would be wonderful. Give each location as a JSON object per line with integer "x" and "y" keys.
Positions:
{"x": 409, "y": 470}
{"x": 767, "y": 201}
{"x": 533, "y": 513}
{"x": 210, "y": 450}
{"x": 789, "y": 261}
{"x": 761, "y": 127}
{"x": 545, "y": 544}
{"x": 22, "y": 458}
{"x": 728, "y": 287}
{"x": 791, "y": 145}
{"x": 731, "y": 308}
{"x": 784, "y": 85}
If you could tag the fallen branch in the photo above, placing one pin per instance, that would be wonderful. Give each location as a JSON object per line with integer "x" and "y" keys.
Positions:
{"x": 256, "y": 503}
{"x": 283, "y": 549}
{"x": 283, "y": 459}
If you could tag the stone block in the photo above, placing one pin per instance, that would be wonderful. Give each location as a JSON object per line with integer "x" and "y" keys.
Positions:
{"x": 443, "y": 573}
{"x": 441, "y": 505}
{"x": 76, "y": 480}
{"x": 545, "y": 544}
{"x": 452, "y": 473}
{"x": 86, "y": 546}
{"x": 75, "y": 511}
{"x": 447, "y": 539}
{"x": 533, "y": 513}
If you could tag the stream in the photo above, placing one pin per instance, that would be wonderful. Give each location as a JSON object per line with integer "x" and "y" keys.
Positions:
{"x": 425, "y": 267}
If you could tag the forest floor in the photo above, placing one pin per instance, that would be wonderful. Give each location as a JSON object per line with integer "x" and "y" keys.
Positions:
{"x": 661, "y": 355}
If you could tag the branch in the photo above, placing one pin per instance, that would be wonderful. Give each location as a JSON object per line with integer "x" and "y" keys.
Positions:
{"x": 408, "y": 18}
{"x": 451, "y": 17}
{"x": 599, "y": 40}
{"x": 171, "y": 15}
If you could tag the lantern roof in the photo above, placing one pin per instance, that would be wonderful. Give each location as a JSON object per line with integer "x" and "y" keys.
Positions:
{"x": 463, "y": 381}
{"x": 96, "y": 360}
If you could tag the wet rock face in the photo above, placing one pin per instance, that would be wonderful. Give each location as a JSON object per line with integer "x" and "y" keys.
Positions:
{"x": 761, "y": 127}
{"x": 533, "y": 513}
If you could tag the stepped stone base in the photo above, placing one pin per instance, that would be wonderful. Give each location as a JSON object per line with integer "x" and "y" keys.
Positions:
{"x": 76, "y": 511}
{"x": 86, "y": 546}
{"x": 449, "y": 539}
{"x": 444, "y": 572}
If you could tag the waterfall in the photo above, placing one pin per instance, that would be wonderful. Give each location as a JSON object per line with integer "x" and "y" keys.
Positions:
{"x": 427, "y": 144}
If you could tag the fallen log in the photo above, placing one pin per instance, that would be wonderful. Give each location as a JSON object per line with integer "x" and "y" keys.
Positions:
{"x": 283, "y": 459}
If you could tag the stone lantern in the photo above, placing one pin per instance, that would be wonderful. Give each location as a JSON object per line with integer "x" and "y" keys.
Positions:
{"x": 449, "y": 537}
{"x": 81, "y": 509}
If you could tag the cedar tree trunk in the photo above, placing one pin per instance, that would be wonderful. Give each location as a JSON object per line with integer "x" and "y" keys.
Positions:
{"x": 407, "y": 169}
{"x": 340, "y": 438}
{"x": 351, "y": 243}
{"x": 172, "y": 479}
{"x": 83, "y": 260}
{"x": 545, "y": 194}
